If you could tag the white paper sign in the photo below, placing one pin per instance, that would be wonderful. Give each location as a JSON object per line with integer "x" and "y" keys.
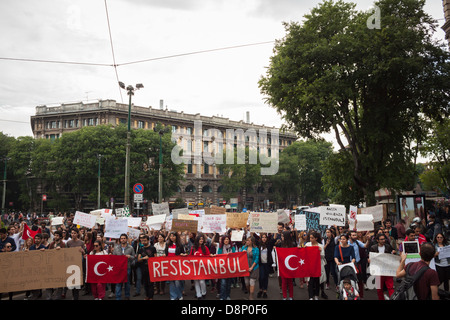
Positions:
{"x": 115, "y": 227}
{"x": 56, "y": 221}
{"x": 383, "y": 264}
{"x": 133, "y": 233}
{"x": 282, "y": 216}
{"x": 160, "y": 208}
{"x": 444, "y": 252}
{"x": 263, "y": 222}
{"x": 300, "y": 222}
{"x": 84, "y": 219}
{"x": 353, "y": 211}
{"x": 156, "y": 222}
{"x": 176, "y": 212}
{"x": 332, "y": 215}
{"x": 364, "y": 222}
{"x": 237, "y": 235}
{"x": 134, "y": 222}
{"x": 214, "y": 223}
{"x": 375, "y": 211}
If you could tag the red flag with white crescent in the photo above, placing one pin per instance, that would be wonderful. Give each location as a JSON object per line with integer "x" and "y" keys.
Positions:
{"x": 106, "y": 269}
{"x": 28, "y": 233}
{"x": 299, "y": 262}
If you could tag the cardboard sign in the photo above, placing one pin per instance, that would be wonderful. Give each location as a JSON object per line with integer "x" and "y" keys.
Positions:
{"x": 264, "y": 222}
{"x": 237, "y": 220}
{"x": 36, "y": 269}
{"x": 184, "y": 225}
{"x": 216, "y": 210}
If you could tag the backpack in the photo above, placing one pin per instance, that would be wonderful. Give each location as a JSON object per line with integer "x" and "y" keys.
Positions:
{"x": 405, "y": 290}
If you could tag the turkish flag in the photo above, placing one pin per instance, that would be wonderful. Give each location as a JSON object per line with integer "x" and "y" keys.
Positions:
{"x": 28, "y": 233}
{"x": 299, "y": 262}
{"x": 106, "y": 269}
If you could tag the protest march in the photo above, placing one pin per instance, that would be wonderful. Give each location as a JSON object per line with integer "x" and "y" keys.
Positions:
{"x": 328, "y": 251}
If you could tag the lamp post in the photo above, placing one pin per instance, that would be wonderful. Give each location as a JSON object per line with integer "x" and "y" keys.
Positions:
{"x": 4, "y": 185}
{"x": 130, "y": 89}
{"x": 99, "y": 156}
{"x": 161, "y": 133}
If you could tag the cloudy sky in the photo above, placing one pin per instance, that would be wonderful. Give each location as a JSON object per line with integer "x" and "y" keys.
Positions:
{"x": 222, "y": 82}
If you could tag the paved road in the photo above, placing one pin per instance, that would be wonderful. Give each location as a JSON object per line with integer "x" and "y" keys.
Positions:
{"x": 274, "y": 293}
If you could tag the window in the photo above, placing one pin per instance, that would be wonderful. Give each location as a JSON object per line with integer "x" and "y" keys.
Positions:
{"x": 189, "y": 168}
{"x": 141, "y": 124}
{"x": 190, "y": 188}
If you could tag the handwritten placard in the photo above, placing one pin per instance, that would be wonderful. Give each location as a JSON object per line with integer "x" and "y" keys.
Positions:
{"x": 264, "y": 222}
{"x": 375, "y": 211}
{"x": 214, "y": 223}
{"x": 332, "y": 215}
{"x": 160, "y": 208}
{"x": 184, "y": 225}
{"x": 115, "y": 227}
{"x": 84, "y": 219}
{"x": 300, "y": 222}
{"x": 237, "y": 220}
{"x": 383, "y": 264}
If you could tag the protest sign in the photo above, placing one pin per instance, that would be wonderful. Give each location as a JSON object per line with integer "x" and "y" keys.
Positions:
{"x": 300, "y": 222}
{"x": 40, "y": 269}
{"x": 185, "y": 217}
{"x": 217, "y": 210}
{"x": 237, "y": 235}
{"x": 115, "y": 227}
{"x": 176, "y": 212}
{"x": 155, "y": 222}
{"x": 193, "y": 267}
{"x": 332, "y": 215}
{"x": 133, "y": 233}
{"x": 383, "y": 264}
{"x": 375, "y": 211}
{"x": 84, "y": 219}
{"x": 56, "y": 221}
{"x": 184, "y": 225}
{"x": 364, "y": 222}
{"x": 444, "y": 252}
{"x": 313, "y": 221}
{"x": 283, "y": 217}
{"x": 264, "y": 222}
{"x": 134, "y": 222}
{"x": 214, "y": 223}
{"x": 160, "y": 208}
{"x": 237, "y": 220}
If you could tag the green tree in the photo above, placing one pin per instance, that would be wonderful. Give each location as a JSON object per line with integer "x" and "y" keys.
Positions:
{"x": 373, "y": 87}
{"x": 300, "y": 172}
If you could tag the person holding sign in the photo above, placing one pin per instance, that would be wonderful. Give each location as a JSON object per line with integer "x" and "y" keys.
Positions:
{"x": 225, "y": 247}
{"x": 388, "y": 282}
{"x": 442, "y": 264}
{"x": 253, "y": 263}
{"x": 200, "y": 249}
{"x": 145, "y": 252}
{"x": 317, "y": 283}
{"x": 287, "y": 284}
{"x": 174, "y": 247}
{"x": 124, "y": 248}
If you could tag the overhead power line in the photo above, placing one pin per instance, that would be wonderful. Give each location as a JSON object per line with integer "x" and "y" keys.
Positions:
{"x": 57, "y": 61}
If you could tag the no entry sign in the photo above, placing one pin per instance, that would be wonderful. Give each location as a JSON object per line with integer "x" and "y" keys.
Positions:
{"x": 138, "y": 188}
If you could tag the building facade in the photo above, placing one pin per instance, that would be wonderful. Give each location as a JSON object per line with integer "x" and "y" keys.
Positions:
{"x": 446, "y": 26}
{"x": 193, "y": 132}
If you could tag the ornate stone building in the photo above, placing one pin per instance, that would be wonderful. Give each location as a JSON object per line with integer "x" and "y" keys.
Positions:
{"x": 446, "y": 26}
{"x": 202, "y": 185}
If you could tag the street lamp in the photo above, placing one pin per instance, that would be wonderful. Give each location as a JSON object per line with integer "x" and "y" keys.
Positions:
{"x": 161, "y": 133}
{"x": 130, "y": 91}
{"x": 4, "y": 185}
{"x": 99, "y": 156}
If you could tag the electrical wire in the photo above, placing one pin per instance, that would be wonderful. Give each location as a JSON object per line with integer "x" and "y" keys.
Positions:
{"x": 57, "y": 61}
{"x": 112, "y": 50}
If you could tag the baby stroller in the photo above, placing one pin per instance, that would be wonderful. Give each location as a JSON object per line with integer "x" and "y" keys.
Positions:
{"x": 347, "y": 273}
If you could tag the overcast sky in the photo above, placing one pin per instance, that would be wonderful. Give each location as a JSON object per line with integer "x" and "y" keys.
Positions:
{"x": 216, "y": 83}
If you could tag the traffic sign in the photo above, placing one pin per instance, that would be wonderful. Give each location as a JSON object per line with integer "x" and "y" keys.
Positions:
{"x": 138, "y": 188}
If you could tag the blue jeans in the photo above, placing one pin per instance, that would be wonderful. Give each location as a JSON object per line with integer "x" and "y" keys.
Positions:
{"x": 127, "y": 287}
{"x": 264, "y": 276}
{"x": 176, "y": 289}
{"x": 138, "y": 279}
{"x": 225, "y": 288}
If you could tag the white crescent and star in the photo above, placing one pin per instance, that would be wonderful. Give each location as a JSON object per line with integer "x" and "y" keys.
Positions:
{"x": 286, "y": 262}
{"x": 110, "y": 268}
